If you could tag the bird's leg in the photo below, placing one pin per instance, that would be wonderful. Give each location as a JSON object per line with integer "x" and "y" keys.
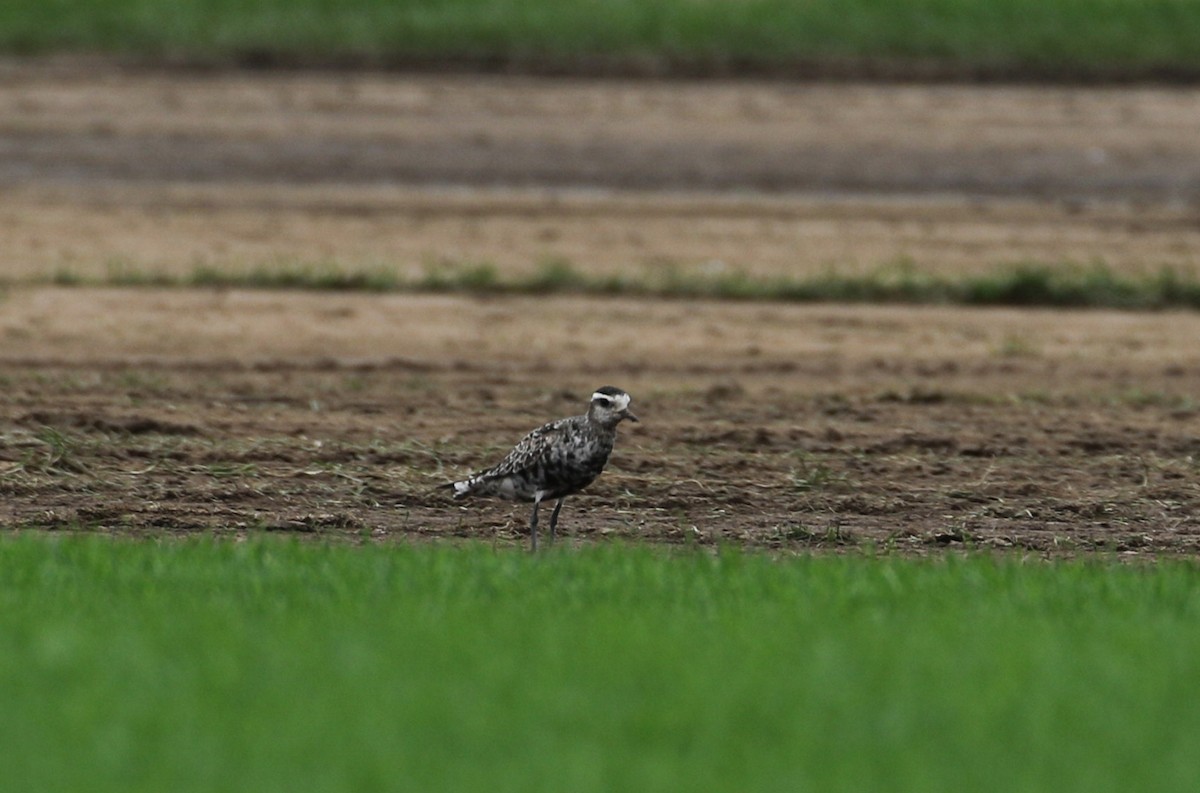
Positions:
{"x": 533, "y": 526}
{"x": 554, "y": 518}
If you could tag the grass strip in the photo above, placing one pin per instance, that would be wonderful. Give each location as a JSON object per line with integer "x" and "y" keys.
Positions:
{"x": 1031, "y": 37}
{"x": 1027, "y": 284}
{"x": 275, "y": 665}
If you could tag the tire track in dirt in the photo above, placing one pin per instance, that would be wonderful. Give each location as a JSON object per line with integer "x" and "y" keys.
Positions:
{"x": 104, "y": 125}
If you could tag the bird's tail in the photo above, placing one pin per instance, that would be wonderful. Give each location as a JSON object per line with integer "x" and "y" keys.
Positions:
{"x": 462, "y": 488}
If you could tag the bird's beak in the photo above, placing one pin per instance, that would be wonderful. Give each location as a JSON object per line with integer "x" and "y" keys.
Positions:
{"x": 627, "y": 415}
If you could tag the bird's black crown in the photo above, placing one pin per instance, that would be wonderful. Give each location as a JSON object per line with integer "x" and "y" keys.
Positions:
{"x": 609, "y": 390}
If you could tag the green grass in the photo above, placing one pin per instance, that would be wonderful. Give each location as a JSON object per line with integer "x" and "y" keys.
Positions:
{"x": 1029, "y": 284}
{"x": 282, "y": 666}
{"x": 1043, "y": 36}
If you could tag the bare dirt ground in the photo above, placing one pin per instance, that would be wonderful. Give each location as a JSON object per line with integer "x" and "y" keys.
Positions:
{"x": 771, "y": 425}
{"x": 164, "y": 172}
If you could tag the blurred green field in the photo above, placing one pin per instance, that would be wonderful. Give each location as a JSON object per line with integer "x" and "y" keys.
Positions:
{"x": 272, "y": 665}
{"x": 1015, "y": 37}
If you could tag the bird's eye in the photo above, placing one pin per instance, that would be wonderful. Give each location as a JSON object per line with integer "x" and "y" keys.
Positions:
{"x": 603, "y": 402}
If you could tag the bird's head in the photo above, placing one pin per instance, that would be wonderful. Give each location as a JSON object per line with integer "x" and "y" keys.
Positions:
{"x": 609, "y": 406}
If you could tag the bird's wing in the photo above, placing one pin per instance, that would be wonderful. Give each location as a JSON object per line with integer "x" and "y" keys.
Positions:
{"x": 531, "y": 449}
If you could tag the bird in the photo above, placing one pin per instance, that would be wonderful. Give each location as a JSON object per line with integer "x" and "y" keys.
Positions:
{"x": 555, "y": 460}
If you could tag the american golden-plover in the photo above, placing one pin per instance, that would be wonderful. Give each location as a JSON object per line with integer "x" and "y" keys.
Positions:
{"x": 555, "y": 460}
